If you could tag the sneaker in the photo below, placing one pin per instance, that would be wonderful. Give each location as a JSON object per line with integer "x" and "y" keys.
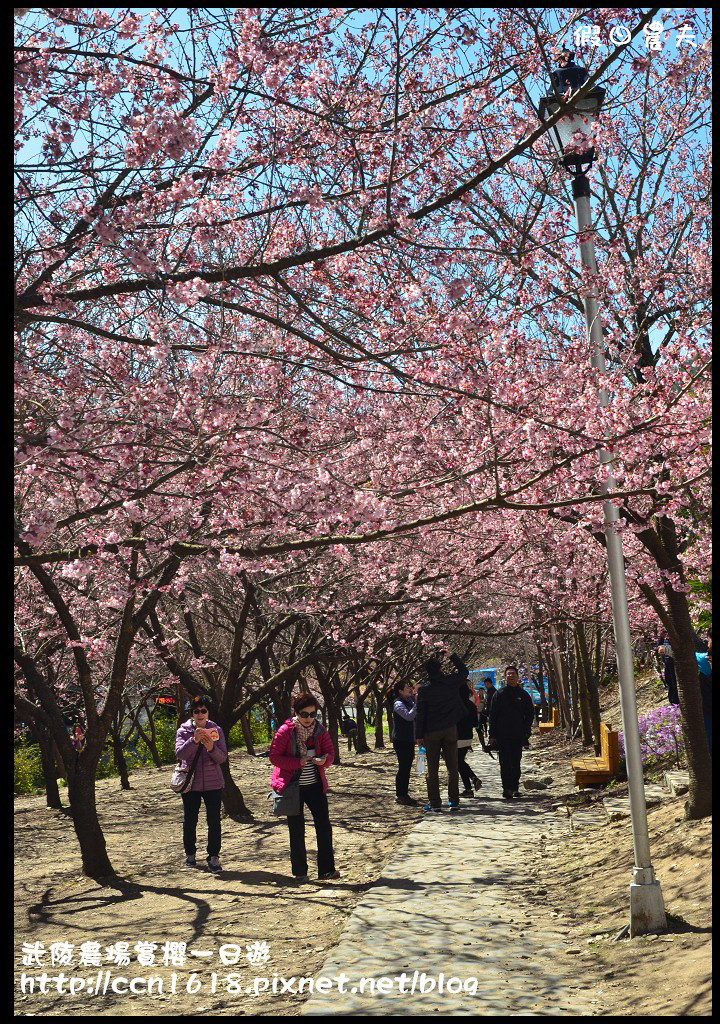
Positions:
{"x": 406, "y": 801}
{"x": 453, "y": 806}
{"x": 190, "y": 862}
{"x": 507, "y": 795}
{"x": 467, "y": 792}
{"x": 516, "y": 794}
{"x": 477, "y": 783}
{"x": 328, "y": 874}
{"x": 300, "y": 879}
{"x": 214, "y": 865}
{"x": 429, "y": 807}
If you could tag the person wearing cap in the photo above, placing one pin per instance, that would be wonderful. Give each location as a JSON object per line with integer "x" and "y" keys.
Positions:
{"x": 201, "y": 734}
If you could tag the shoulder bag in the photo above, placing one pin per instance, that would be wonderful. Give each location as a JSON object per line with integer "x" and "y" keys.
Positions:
{"x": 182, "y": 777}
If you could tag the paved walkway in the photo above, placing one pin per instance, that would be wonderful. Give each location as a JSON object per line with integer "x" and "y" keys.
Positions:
{"x": 448, "y": 906}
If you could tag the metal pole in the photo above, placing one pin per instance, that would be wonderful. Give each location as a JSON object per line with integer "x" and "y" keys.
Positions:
{"x": 647, "y": 911}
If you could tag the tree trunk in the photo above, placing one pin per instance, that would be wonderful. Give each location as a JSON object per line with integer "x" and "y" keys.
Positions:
{"x": 331, "y": 711}
{"x": 150, "y": 741}
{"x": 389, "y": 700}
{"x": 119, "y": 758}
{"x": 361, "y": 743}
{"x": 544, "y": 709}
{"x": 556, "y": 669}
{"x": 583, "y": 696}
{"x": 247, "y": 734}
{"x": 591, "y": 685}
{"x": 379, "y": 738}
{"x": 47, "y": 758}
{"x": 568, "y": 662}
{"x": 232, "y": 798}
{"x": 663, "y": 544}
{"x": 81, "y": 792}
{"x": 699, "y": 804}
{"x": 597, "y": 654}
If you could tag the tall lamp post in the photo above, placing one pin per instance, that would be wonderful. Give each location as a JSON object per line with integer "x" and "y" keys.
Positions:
{"x": 572, "y": 139}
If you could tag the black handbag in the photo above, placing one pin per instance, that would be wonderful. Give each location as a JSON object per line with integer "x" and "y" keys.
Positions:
{"x": 288, "y": 801}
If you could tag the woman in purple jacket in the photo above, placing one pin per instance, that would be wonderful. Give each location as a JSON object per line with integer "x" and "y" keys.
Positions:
{"x": 207, "y": 781}
{"x": 316, "y": 753}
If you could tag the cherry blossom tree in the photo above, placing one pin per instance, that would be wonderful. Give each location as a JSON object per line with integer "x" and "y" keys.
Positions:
{"x": 294, "y": 296}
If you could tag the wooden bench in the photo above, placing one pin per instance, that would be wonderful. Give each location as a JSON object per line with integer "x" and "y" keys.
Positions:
{"x": 594, "y": 770}
{"x": 552, "y": 724}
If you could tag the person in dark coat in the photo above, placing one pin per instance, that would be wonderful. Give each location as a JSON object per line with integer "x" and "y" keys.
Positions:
{"x": 670, "y": 679}
{"x": 484, "y": 712}
{"x": 404, "y": 715}
{"x": 439, "y": 709}
{"x": 349, "y": 729}
{"x": 465, "y": 729}
{"x": 511, "y": 717}
{"x": 704, "y": 662}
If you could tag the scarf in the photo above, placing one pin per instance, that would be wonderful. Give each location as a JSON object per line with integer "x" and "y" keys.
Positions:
{"x": 303, "y": 733}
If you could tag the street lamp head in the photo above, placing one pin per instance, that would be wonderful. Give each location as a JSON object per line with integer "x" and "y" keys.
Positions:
{"x": 572, "y": 134}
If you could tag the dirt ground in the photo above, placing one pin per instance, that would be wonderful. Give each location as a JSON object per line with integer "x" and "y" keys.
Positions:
{"x": 583, "y": 880}
{"x": 580, "y": 880}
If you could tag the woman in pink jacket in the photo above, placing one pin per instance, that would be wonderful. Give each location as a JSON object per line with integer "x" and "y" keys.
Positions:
{"x": 316, "y": 753}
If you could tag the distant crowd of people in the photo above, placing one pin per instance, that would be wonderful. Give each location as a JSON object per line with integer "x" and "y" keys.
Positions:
{"x": 439, "y": 716}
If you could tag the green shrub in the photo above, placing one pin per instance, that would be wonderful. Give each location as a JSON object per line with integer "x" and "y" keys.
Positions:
{"x": 258, "y": 731}
{"x": 28, "y": 775}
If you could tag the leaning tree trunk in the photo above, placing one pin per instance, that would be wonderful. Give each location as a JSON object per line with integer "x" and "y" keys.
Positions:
{"x": 699, "y": 804}
{"x": 81, "y": 792}
{"x": 232, "y": 798}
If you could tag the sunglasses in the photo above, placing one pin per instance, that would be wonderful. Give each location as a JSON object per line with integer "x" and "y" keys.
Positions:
{"x": 307, "y": 714}
{"x": 200, "y": 711}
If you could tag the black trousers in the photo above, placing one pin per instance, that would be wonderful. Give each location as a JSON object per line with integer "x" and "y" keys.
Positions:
{"x": 191, "y": 807}
{"x": 510, "y": 755}
{"x": 314, "y": 798}
{"x": 466, "y": 773}
{"x": 405, "y": 753}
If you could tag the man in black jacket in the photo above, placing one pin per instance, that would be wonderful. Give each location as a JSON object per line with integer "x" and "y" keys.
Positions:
{"x": 511, "y": 718}
{"x": 439, "y": 709}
